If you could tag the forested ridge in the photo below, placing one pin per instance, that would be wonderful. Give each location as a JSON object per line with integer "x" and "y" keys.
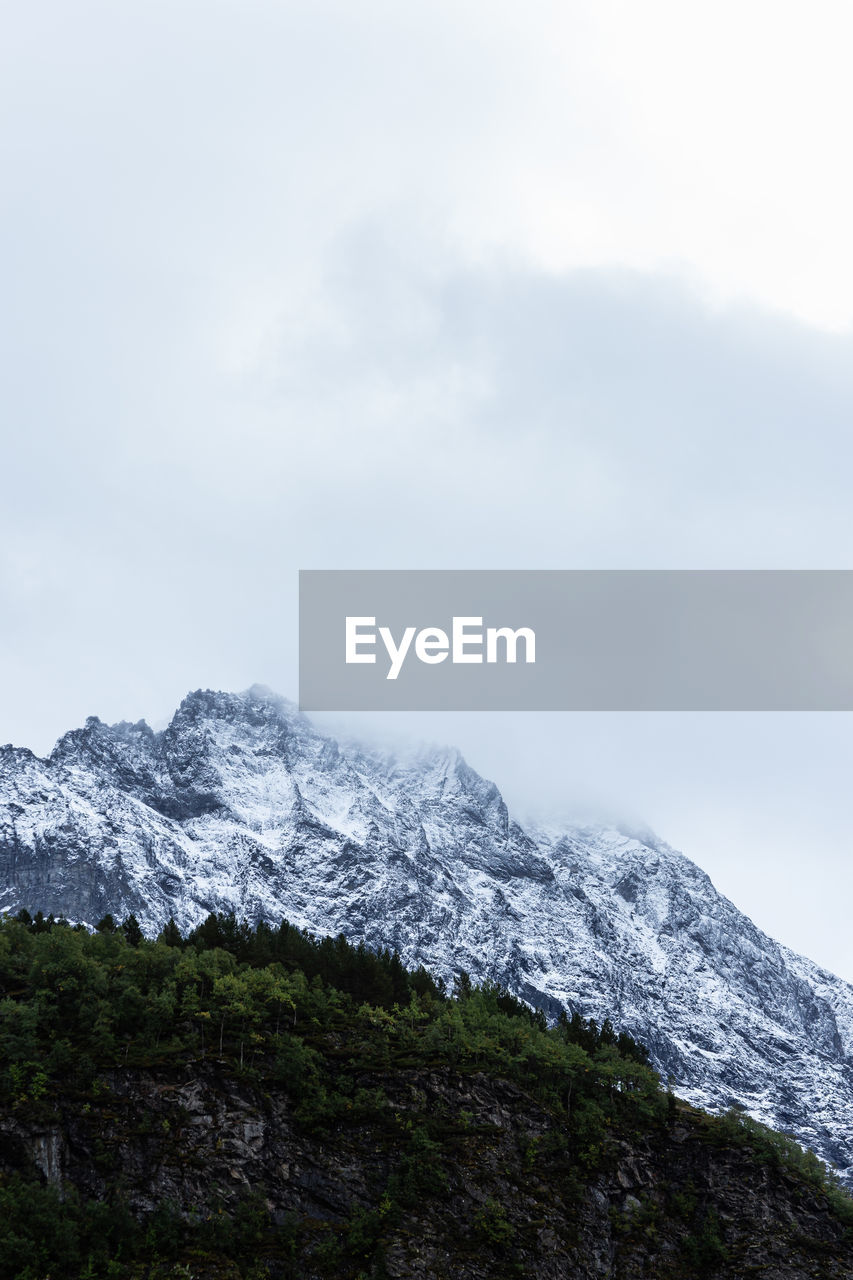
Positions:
{"x": 362, "y": 1055}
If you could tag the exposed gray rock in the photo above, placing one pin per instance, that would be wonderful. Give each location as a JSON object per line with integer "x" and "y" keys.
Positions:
{"x": 201, "y": 1139}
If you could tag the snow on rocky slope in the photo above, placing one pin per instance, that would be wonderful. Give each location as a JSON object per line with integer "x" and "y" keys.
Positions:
{"x": 241, "y": 805}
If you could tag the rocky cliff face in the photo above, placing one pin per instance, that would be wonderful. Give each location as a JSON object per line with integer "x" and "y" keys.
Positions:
{"x": 240, "y": 805}
{"x": 496, "y": 1202}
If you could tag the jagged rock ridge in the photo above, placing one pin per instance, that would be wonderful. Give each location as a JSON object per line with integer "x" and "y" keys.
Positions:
{"x": 241, "y": 805}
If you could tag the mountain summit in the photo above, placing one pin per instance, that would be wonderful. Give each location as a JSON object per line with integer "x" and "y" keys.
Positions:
{"x": 241, "y": 805}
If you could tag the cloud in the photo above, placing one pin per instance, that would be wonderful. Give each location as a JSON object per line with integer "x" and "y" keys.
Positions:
{"x": 425, "y": 412}
{"x": 450, "y": 285}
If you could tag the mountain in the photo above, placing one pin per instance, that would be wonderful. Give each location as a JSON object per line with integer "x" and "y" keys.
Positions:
{"x": 241, "y": 805}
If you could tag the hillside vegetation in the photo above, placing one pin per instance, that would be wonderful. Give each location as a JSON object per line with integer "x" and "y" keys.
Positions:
{"x": 258, "y": 1102}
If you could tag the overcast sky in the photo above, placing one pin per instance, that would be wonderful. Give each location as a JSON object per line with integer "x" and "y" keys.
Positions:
{"x": 432, "y": 285}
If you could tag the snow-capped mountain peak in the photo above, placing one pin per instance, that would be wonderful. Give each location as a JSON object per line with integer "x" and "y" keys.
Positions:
{"x": 241, "y": 804}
